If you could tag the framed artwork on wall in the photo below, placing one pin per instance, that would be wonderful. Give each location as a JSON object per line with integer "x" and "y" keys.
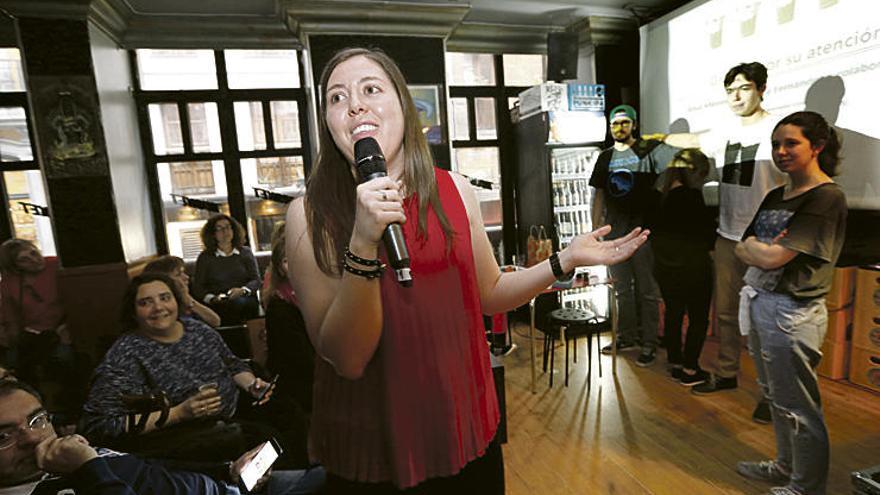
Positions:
{"x": 427, "y": 101}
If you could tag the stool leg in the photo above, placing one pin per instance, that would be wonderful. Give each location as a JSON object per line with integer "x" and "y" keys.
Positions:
{"x": 552, "y": 354}
{"x": 599, "y": 354}
{"x": 566, "y": 362}
{"x": 544, "y": 354}
{"x": 575, "y": 349}
{"x": 589, "y": 357}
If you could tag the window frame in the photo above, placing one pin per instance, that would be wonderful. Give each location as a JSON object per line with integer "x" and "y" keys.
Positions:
{"x": 225, "y": 99}
{"x": 10, "y": 99}
{"x": 505, "y": 141}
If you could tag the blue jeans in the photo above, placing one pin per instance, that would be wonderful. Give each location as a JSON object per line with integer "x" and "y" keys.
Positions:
{"x": 784, "y": 341}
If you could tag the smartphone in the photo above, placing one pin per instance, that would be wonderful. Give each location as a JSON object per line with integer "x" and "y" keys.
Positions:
{"x": 265, "y": 391}
{"x": 257, "y": 467}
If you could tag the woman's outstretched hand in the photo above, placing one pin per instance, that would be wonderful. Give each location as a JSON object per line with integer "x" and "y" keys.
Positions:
{"x": 589, "y": 249}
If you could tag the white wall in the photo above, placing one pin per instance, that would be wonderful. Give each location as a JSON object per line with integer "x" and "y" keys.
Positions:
{"x": 821, "y": 55}
{"x": 127, "y": 171}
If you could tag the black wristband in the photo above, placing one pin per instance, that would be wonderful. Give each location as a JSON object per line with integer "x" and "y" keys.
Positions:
{"x": 557, "y": 268}
{"x": 361, "y": 261}
{"x": 368, "y": 274}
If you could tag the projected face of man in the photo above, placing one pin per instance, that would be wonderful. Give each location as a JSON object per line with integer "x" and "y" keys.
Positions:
{"x": 743, "y": 96}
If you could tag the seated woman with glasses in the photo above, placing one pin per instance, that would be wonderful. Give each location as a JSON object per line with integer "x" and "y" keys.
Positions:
{"x": 226, "y": 276}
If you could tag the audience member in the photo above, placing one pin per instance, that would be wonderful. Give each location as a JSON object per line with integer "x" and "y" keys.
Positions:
{"x": 746, "y": 174}
{"x": 681, "y": 240}
{"x": 175, "y": 268}
{"x": 33, "y": 321}
{"x": 791, "y": 247}
{"x": 182, "y": 363}
{"x": 291, "y": 354}
{"x": 625, "y": 197}
{"x": 35, "y": 461}
{"x": 226, "y": 276}
{"x": 403, "y": 394}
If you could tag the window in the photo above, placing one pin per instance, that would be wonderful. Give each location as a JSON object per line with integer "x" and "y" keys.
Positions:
{"x": 470, "y": 69}
{"x": 204, "y": 127}
{"x": 482, "y": 89}
{"x": 167, "y": 120}
{"x": 22, "y": 187}
{"x": 251, "y": 69}
{"x": 248, "y": 168}
{"x": 285, "y": 124}
{"x": 484, "y": 114}
{"x": 176, "y": 70}
{"x": 11, "y": 75}
{"x": 524, "y": 70}
{"x": 15, "y": 143}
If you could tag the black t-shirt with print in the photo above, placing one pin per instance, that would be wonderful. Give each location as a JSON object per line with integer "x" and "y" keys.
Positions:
{"x": 628, "y": 178}
{"x": 816, "y": 223}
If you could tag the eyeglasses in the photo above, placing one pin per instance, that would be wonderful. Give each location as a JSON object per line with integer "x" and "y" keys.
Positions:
{"x": 621, "y": 123}
{"x": 38, "y": 422}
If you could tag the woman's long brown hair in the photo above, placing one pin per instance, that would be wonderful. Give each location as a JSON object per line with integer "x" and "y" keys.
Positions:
{"x": 330, "y": 192}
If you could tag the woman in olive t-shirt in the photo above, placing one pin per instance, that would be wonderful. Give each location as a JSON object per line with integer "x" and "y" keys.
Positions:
{"x": 791, "y": 247}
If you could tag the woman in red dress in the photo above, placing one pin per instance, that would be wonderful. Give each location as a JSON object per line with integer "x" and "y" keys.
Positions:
{"x": 403, "y": 398}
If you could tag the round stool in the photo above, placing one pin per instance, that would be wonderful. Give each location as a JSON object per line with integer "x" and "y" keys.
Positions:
{"x": 568, "y": 324}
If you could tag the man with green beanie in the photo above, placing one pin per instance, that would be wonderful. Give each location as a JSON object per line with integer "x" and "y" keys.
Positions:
{"x": 625, "y": 197}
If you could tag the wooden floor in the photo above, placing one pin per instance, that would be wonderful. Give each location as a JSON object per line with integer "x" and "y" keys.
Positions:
{"x": 642, "y": 433}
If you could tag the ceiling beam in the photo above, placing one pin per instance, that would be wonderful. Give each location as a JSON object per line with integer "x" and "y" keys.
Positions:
{"x": 380, "y": 17}
{"x": 130, "y": 29}
{"x": 68, "y": 9}
{"x": 481, "y": 37}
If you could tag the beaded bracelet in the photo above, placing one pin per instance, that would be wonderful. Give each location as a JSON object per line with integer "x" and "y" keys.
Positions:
{"x": 368, "y": 274}
{"x": 361, "y": 261}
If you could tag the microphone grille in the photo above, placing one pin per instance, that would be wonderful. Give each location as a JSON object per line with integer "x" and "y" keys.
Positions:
{"x": 366, "y": 147}
{"x": 368, "y": 157}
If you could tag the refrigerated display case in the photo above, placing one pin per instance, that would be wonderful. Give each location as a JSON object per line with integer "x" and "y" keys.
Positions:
{"x": 556, "y": 154}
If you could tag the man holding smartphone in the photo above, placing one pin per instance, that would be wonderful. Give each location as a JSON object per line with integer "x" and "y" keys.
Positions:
{"x": 35, "y": 461}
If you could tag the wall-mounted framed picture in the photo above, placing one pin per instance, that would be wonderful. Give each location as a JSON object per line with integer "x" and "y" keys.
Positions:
{"x": 427, "y": 101}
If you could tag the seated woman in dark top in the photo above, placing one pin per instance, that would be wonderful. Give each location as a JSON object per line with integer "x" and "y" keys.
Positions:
{"x": 182, "y": 361}
{"x": 175, "y": 268}
{"x": 291, "y": 354}
{"x": 226, "y": 277}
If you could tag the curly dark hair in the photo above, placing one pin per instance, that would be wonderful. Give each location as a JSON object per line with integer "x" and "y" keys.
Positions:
{"x": 208, "y": 231}
{"x": 128, "y": 316}
{"x": 752, "y": 71}
{"x": 818, "y": 132}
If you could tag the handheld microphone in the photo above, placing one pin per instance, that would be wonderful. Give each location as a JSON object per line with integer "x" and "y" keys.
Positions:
{"x": 370, "y": 164}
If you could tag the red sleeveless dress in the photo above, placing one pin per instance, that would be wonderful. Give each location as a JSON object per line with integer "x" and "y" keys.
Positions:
{"x": 426, "y": 403}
